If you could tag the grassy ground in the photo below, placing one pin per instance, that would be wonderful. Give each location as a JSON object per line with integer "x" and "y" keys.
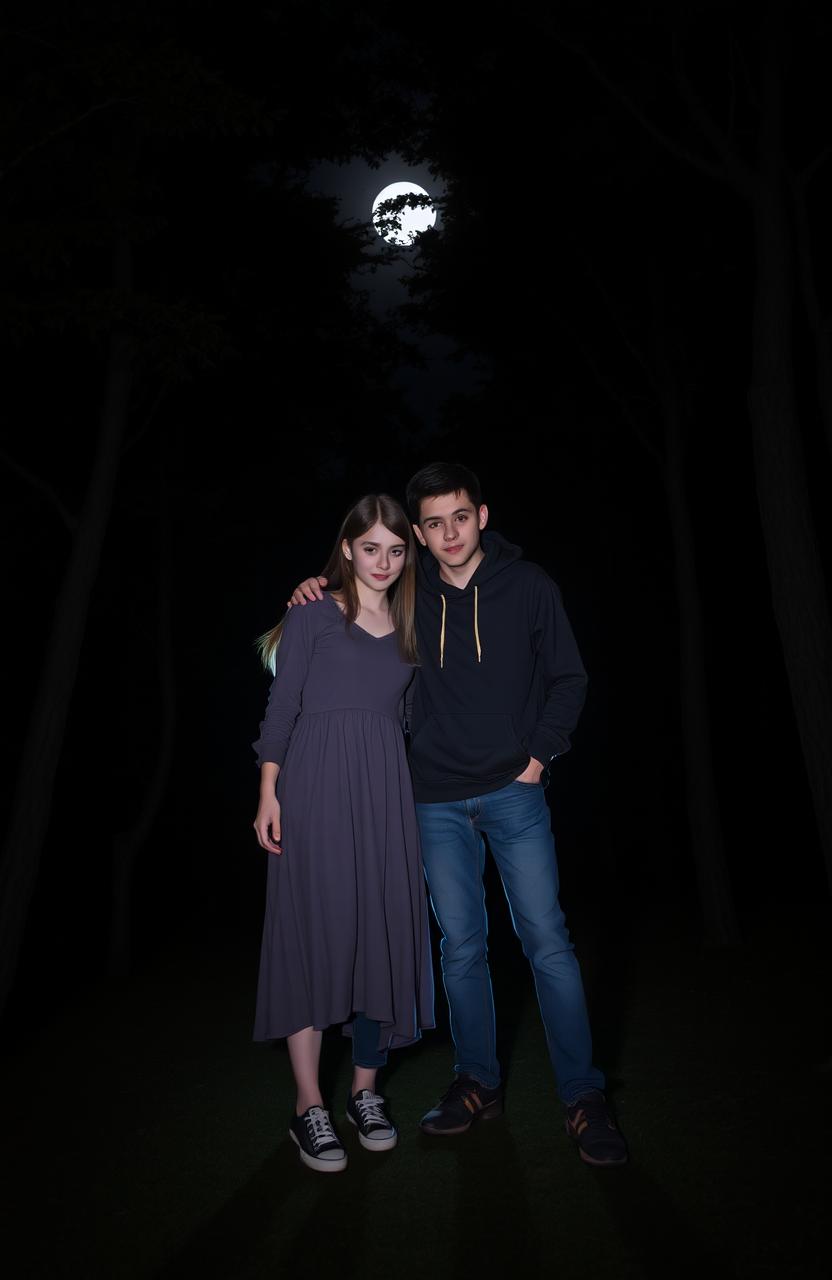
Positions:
{"x": 144, "y": 1135}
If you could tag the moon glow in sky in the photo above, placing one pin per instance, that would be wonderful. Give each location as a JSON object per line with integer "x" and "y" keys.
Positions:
{"x": 412, "y": 222}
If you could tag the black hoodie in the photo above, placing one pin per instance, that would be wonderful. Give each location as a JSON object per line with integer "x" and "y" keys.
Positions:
{"x": 500, "y": 677}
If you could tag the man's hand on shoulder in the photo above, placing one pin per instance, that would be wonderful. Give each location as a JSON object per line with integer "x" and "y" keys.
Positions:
{"x": 309, "y": 589}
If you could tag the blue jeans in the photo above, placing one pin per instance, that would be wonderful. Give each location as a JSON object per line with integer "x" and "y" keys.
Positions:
{"x": 365, "y": 1050}
{"x": 516, "y": 821}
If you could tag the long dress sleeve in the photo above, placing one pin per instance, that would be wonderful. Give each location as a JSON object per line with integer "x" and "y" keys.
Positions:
{"x": 286, "y": 694}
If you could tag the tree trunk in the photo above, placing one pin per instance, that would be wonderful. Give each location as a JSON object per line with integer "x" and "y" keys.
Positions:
{"x": 31, "y": 807}
{"x": 128, "y": 844}
{"x": 798, "y": 589}
{"x": 821, "y": 331}
{"x": 706, "y": 835}
{"x": 707, "y": 845}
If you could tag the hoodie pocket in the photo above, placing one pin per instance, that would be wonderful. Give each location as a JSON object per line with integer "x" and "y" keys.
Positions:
{"x": 465, "y": 748}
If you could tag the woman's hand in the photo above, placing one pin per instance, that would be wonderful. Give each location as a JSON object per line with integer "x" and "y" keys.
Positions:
{"x": 309, "y": 589}
{"x": 267, "y": 824}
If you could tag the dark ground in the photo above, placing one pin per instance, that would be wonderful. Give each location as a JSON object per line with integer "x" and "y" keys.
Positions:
{"x": 145, "y": 1134}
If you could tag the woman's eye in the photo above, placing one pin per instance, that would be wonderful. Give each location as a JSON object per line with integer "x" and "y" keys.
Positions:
{"x": 397, "y": 551}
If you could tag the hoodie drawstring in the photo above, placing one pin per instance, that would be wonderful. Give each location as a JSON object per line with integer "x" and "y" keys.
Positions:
{"x": 476, "y": 627}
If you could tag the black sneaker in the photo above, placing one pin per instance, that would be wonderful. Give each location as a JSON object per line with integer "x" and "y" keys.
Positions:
{"x": 366, "y": 1111}
{"x": 589, "y": 1122}
{"x": 318, "y": 1144}
{"x": 466, "y": 1101}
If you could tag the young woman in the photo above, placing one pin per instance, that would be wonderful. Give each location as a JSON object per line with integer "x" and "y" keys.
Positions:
{"x": 346, "y": 935}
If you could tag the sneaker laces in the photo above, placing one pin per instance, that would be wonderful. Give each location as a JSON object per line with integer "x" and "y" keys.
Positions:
{"x": 591, "y": 1112}
{"x": 461, "y": 1088}
{"x": 320, "y": 1127}
{"x": 369, "y": 1107}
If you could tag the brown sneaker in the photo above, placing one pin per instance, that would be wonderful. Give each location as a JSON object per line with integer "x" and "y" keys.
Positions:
{"x": 464, "y": 1102}
{"x": 589, "y": 1123}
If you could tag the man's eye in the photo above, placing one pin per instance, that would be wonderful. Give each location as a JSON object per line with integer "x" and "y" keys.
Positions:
{"x": 462, "y": 519}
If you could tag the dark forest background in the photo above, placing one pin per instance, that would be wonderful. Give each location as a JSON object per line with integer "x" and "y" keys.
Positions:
{"x": 632, "y": 254}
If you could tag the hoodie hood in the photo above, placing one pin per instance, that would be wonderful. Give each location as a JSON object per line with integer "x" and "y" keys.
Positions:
{"x": 499, "y": 556}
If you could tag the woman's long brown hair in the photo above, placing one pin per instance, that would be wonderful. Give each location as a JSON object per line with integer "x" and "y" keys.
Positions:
{"x": 373, "y": 508}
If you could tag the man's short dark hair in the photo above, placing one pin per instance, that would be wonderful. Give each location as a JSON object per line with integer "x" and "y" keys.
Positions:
{"x": 437, "y": 479}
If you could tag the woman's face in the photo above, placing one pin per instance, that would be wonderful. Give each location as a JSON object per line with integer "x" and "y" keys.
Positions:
{"x": 378, "y": 557}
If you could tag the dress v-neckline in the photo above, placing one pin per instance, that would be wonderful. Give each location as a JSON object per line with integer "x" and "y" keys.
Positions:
{"x": 357, "y": 625}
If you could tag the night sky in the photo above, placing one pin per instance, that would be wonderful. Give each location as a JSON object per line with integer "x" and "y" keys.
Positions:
{"x": 593, "y": 262}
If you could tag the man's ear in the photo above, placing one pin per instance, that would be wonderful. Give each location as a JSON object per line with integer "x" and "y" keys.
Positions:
{"x": 483, "y": 516}
{"x": 419, "y": 536}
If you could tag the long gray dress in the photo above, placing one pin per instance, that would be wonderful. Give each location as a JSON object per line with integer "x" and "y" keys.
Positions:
{"x": 346, "y": 927}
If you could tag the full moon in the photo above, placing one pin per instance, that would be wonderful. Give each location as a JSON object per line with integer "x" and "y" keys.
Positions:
{"x": 412, "y": 221}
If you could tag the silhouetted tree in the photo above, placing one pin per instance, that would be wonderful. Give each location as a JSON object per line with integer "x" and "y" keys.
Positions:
{"x": 104, "y": 105}
{"x": 667, "y": 450}
{"x": 144, "y": 135}
{"x": 760, "y": 184}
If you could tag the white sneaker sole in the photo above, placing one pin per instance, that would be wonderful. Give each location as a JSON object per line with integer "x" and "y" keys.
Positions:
{"x": 375, "y": 1144}
{"x": 313, "y": 1162}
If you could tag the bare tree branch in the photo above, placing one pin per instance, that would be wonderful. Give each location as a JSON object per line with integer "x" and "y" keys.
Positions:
{"x": 148, "y": 419}
{"x": 618, "y": 398}
{"x": 42, "y": 487}
{"x": 57, "y": 133}
{"x": 672, "y": 145}
{"x": 635, "y": 351}
{"x": 732, "y": 99}
{"x": 750, "y": 91}
{"x": 734, "y": 169}
{"x": 805, "y": 176}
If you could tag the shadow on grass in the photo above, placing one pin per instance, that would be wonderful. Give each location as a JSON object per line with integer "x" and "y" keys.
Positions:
{"x": 488, "y": 1228}
{"x": 269, "y": 1223}
{"x": 222, "y": 1246}
{"x": 290, "y": 1220}
{"x": 463, "y": 1208}
{"x": 655, "y": 1238}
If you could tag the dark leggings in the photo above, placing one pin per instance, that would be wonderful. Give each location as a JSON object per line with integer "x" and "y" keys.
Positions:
{"x": 365, "y": 1050}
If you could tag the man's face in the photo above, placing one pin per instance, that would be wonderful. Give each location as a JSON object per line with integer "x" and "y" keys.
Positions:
{"x": 449, "y": 526}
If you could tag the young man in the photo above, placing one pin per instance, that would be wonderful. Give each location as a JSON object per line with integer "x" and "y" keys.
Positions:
{"x": 499, "y": 690}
